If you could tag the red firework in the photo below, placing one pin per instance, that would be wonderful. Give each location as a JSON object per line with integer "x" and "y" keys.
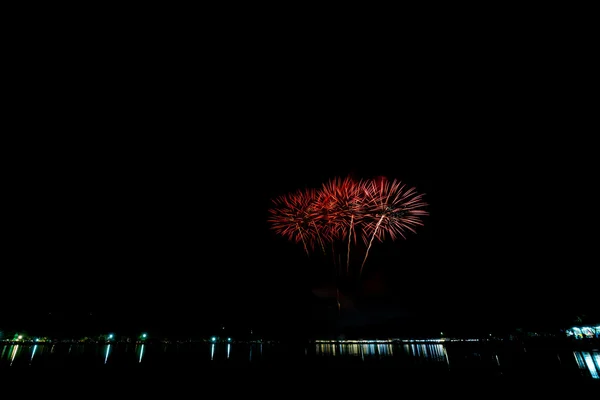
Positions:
{"x": 393, "y": 209}
{"x": 344, "y": 209}
{"x": 294, "y": 216}
{"x": 341, "y": 204}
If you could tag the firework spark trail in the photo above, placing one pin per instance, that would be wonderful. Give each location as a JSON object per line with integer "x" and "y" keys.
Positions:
{"x": 349, "y": 241}
{"x": 370, "y": 243}
{"x": 303, "y": 241}
{"x": 341, "y": 202}
{"x": 398, "y": 209}
{"x": 319, "y": 238}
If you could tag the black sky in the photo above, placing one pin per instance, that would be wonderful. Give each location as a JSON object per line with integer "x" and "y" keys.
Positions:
{"x": 138, "y": 184}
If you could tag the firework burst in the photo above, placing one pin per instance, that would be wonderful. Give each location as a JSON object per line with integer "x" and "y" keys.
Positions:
{"x": 345, "y": 209}
{"x": 294, "y": 216}
{"x": 392, "y": 209}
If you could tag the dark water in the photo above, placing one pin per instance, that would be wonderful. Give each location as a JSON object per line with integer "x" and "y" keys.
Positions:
{"x": 461, "y": 358}
{"x": 332, "y": 364}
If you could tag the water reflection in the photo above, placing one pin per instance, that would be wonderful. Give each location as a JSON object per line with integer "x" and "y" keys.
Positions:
{"x": 385, "y": 349}
{"x": 588, "y": 361}
{"x": 140, "y": 352}
{"x": 106, "y": 353}
{"x": 354, "y": 349}
{"x": 450, "y": 357}
{"x": 33, "y": 353}
{"x": 435, "y": 352}
{"x": 15, "y": 350}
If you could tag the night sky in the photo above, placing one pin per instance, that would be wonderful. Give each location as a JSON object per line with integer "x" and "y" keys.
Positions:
{"x": 145, "y": 199}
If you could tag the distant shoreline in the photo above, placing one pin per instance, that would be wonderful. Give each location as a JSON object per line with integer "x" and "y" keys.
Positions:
{"x": 588, "y": 344}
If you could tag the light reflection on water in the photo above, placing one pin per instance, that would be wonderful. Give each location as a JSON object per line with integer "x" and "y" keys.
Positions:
{"x": 589, "y": 361}
{"x": 355, "y": 349}
{"x": 106, "y": 352}
{"x": 14, "y": 353}
{"x": 33, "y": 353}
{"x": 404, "y": 354}
{"x": 140, "y": 351}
